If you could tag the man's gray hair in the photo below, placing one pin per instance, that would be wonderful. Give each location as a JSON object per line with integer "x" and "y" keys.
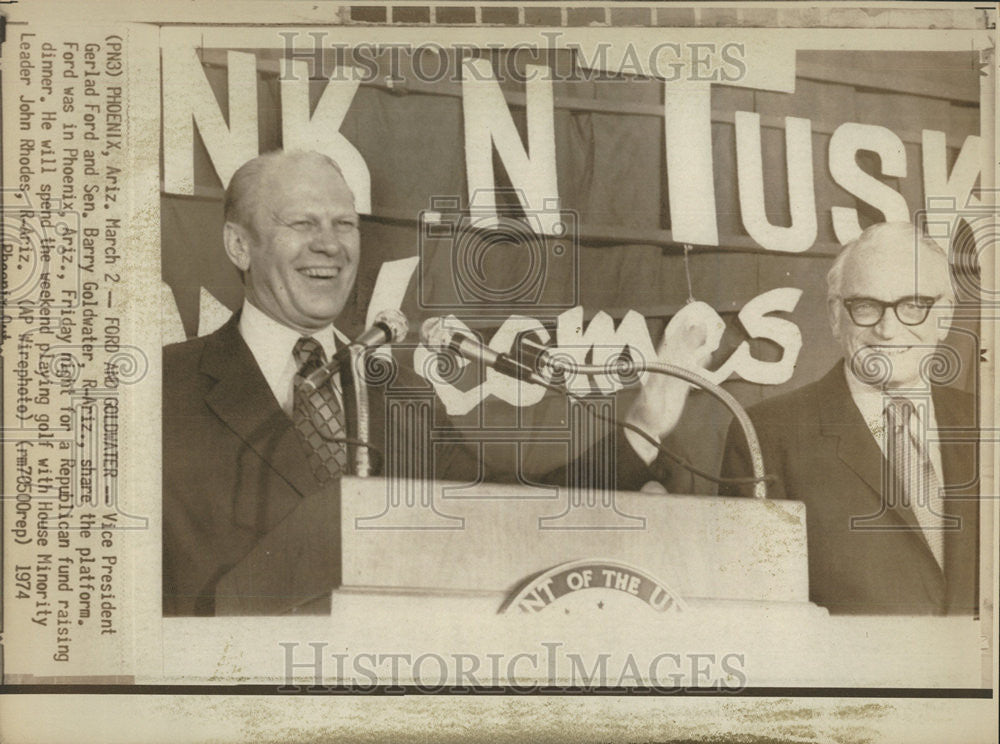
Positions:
{"x": 239, "y": 205}
{"x": 883, "y": 231}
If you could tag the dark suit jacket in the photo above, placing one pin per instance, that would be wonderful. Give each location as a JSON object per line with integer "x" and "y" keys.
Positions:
{"x": 234, "y": 469}
{"x": 816, "y": 442}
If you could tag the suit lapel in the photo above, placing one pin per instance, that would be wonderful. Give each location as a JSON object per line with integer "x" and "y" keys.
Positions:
{"x": 840, "y": 418}
{"x": 243, "y": 401}
{"x": 858, "y": 450}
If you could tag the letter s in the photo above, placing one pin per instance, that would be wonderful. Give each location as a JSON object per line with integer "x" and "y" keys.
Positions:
{"x": 754, "y": 317}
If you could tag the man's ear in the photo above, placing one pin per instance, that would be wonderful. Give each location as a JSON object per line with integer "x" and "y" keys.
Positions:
{"x": 234, "y": 238}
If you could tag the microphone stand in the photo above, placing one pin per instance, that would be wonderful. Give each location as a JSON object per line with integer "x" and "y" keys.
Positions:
{"x": 362, "y": 457}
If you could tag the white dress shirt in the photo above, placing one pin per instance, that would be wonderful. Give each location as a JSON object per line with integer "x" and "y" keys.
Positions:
{"x": 272, "y": 345}
{"x": 871, "y": 403}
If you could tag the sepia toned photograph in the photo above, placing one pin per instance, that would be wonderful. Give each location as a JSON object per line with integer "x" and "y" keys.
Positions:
{"x": 588, "y": 371}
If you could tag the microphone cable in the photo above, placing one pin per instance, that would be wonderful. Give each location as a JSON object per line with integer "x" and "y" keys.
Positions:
{"x": 663, "y": 449}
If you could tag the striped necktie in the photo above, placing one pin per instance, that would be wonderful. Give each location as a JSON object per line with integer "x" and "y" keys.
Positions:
{"x": 318, "y": 415}
{"x": 922, "y": 491}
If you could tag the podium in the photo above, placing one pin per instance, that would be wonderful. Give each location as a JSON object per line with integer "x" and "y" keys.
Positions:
{"x": 487, "y": 540}
{"x": 440, "y": 573}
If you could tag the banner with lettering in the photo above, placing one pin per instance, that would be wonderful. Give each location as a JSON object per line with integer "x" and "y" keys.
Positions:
{"x": 579, "y": 191}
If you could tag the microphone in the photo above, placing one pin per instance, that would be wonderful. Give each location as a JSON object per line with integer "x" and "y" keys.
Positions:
{"x": 437, "y": 336}
{"x": 389, "y": 326}
{"x": 537, "y": 357}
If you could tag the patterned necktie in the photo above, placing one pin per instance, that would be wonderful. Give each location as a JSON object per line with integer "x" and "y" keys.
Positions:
{"x": 913, "y": 469}
{"x": 318, "y": 416}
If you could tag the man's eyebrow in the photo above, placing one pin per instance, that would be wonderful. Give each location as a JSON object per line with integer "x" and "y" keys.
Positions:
{"x": 292, "y": 215}
{"x": 274, "y": 215}
{"x": 900, "y": 298}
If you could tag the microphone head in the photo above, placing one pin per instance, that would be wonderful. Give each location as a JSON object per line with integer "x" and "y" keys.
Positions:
{"x": 395, "y": 322}
{"x": 435, "y": 334}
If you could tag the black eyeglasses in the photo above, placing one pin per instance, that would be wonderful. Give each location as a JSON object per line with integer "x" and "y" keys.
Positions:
{"x": 867, "y": 311}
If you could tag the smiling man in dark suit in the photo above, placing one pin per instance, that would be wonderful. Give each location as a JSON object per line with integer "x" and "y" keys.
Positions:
{"x": 234, "y": 461}
{"x": 246, "y": 445}
{"x": 884, "y": 460}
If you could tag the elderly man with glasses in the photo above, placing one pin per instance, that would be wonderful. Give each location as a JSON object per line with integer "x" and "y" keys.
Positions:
{"x": 883, "y": 458}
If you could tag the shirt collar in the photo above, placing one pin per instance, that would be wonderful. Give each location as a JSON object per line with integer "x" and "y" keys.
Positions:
{"x": 871, "y": 403}
{"x": 272, "y": 342}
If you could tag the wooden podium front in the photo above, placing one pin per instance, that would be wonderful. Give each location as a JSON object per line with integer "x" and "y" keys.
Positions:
{"x": 490, "y": 538}
{"x": 441, "y": 539}
{"x": 439, "y": 573}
